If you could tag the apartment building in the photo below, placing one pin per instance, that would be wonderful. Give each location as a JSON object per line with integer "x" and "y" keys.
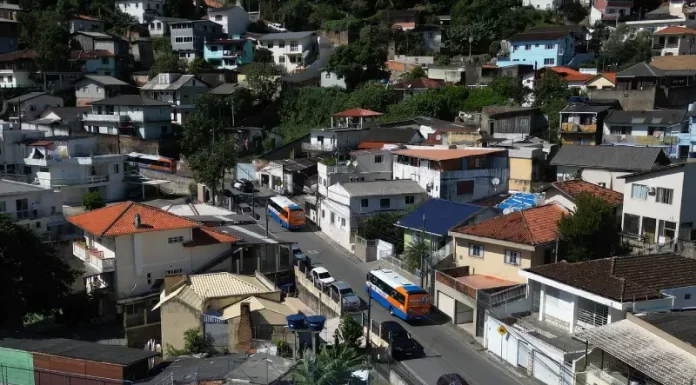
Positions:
{"x": 582, "y": 121}
{"x": 456, "y": 174}
{"x": 674, "y": 41}
{"x": 658, "y": 128}
{"x": 36, "y": 207}
{"x": 233, "y": 19}
{"x": 80, "y": 23}
{"x": 547, "y": 47}
{"x": 347, "y": 131}
{"x": 610, "y": 10}
{"x": 180, "y": 91}
{"x": 292, "y": 51}
{"x": 130, "y": 115}
{"x": 230, "y": 53}
{"x": 11, "y": 153}
{"x": 31, "y": 105}
{"x": 142, "y": 10}
{"x": 363, "y": 166}
{"x": 188, "y": 37}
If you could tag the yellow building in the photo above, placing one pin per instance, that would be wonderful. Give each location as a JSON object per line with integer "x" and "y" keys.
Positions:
{"x": 526, "y": 167}
{"x": 601, "y": 81}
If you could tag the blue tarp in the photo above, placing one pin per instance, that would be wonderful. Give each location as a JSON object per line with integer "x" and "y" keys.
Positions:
{"x": 519, "y": 202}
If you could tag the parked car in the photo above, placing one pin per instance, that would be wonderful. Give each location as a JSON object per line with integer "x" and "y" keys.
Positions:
{"x": 401, "y": 345}
{"x": 451, "y": 379}
{"x": 243, "y": 185}
{"x": 322, "y": 276}
{"x": 340, "y": 289}
{"x": 297, "y": 252}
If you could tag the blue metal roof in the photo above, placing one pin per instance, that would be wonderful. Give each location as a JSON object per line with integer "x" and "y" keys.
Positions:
{"x": 519, "y": 201}
{"x": 440, "y": 216}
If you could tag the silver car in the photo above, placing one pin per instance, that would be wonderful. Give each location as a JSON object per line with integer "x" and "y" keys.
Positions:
{"x": 340, "y": 289}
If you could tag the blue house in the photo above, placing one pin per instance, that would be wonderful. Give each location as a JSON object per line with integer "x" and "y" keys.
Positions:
{"x": 100, "y": 62}
{"x": 228, "y": 53}
{"x": 548, "y": 47}
{"x": 433, "y": 219}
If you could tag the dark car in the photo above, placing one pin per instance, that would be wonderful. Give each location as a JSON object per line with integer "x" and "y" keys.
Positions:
{"x": 243, "y": 185}
{"x": 401, "y": 345}
{"x": 451, "y": 379}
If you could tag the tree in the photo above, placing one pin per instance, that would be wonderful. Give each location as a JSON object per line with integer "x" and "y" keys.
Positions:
{"x": 407, "y": 43}
{"x": 590, "y": 232}
{"x": 47, "y": 32}
{"x": 162, "y": 45}
{"x": 262, "y": 79}
{"x": 574, "y": 11}
{"x": 92, "y": 201}
{"x": 361, "y": 60}
{"x": 350, "y": 332}
{"x": 195, "y": 342}
{"x": 381, "y": 226}
{"x": 623, "y": 49}
{"x": 551, "y": 95}
{"x": 33, "y": 278}
{"x": 415, "y": 252}
{"x": 180, "y": 8}
{"x": 210, "y": 163}
{"x": 168, "y": 62}
{"x": 372, "y": 96}
{"x": 263, "y": 55}
{"x": 415, "y": 73}
{"x": 205, "y": 125}
{"x": 482, "y": 97}
{"x": 198, "y": 65}
{"x": 510, "y": 87}
{"x": 334, "y": 365}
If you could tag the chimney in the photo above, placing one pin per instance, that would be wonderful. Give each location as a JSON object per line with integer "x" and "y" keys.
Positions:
{"x": 244, "y": 335}
{"x": 136, "y": 221}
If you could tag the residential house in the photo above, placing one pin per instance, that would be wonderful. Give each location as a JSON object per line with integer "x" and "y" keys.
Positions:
{"x": 406, "y": 19}
{"x": 129, "y": 248}
{"x": 188, "y": 37}
{"x": 69, "y": 164}
{"x": 582, "y": 121}
{"x": 507, "y": 123}
{"x": 9, "y": 36}
{"x": 11, "y": 153}
{"x": 348, "y": 128}
{"x": 233, "y": 19}
{"x": 36, "y": 207}
{"x": 91, "y": 88}
{"x": 220, "y": 304}
{"x": 86, "y": 23}
{"x": 58, "y": 121}
{"x": 455, "y": 174}
{"x": 618, "y": 351}
{"x": 460, "y": 134}
{"x": 656, "y": 208}
{"x": 179, "y": 91}
{"x": 9, "y": 10}
{"x": 605, "y": 165}
{"x": 30, "y": 106}
{"x": 548, "y": 5}
{"x": 159, "y": 25}
{"x": 527, "y": 166}
{"x": 432, "y": 220}
{"x": 331, "y": 79}
{"x": 661, "y": 128}
{"x": 142, "y": 10}
{"x": 610, "y": 10}
{"x": 17, "y": 69}
{"x": 415, "y": 86}
{"x": 228, "y": 53}
{"x": 567, "y": 299}
{"x": 574, "y": 78}
{"x": 287, "y": 176}
{"x": 674, "y": 41}
{"x": 379, "y": 137}
{"x": 142, "y": 51}
{"x": 548, "y": 47}
{"x": 96, "y": 41}
{"x": 431, "y": 34}
{"x": 565, "y": 193}
{"x": 602, "y": 80}
{"x": 451, "y": 73}
{"x": 348, "y": 203}
{"x": 363, "y": 166}
{"x": 688, "y": 10}
{"x": 292, "y": 51}
{"x": 130, "y": 114}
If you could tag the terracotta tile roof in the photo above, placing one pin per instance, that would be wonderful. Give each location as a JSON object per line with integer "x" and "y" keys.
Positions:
{"x": 418, "y": 84}
{"x": 533, "y": 226}
{"x": 119, "y": 219}
{"x": 675, "y": 30}
{"x": 356, "y": 113}
{"x": 570, "y": 74}
{"x": 214, "y": 4}
{"x": 576, "y": 186}
{"x": 365, "y": 145}
{"x": 87, "y": 55}
{"x": 23, "y": 54}
{"x": 611, "y": 76}
{"x": 85, "y": 17}
{"x": 564, "y": 70}
{"x": 624, "y": 279}
{"x": 203, "y": 236}
{"x": 578, "y": 78}
{"x": 445, "y": 153}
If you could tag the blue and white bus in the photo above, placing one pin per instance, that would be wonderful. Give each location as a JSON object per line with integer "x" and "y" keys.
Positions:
{"x": 402, "y": 298}
{"x": 286, "y": 212}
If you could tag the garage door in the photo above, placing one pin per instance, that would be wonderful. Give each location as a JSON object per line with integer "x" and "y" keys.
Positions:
{"x": 545, "y": 369}
{"x": 446, "y": 305}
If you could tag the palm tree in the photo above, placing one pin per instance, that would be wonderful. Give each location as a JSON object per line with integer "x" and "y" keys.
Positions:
{"x": 414, "y": 252}
{"x": 332, "y": 366}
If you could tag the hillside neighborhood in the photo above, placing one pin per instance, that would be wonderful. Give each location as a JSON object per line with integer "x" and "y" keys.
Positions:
{"x": 334, "y": 192}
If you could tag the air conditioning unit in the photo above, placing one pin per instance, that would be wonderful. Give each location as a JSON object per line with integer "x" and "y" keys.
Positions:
{"x": 651, "y": 190}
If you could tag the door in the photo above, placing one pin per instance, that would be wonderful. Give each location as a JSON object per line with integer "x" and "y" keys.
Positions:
{"x": 522, "y": 354}
{"x": 446, "y": 304}
{"x": 545, "y": 369}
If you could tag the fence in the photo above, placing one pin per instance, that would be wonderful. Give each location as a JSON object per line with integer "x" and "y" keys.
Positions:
{"x": 387, "y": 367}
{"x": 10, "y": 375}
{"x": 328, "y": 296}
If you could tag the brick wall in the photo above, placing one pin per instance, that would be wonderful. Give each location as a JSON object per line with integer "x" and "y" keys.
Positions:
{"x": 244, "y": 334}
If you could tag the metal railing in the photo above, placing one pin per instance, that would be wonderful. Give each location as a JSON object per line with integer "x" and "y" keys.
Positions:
{"x": 59, "y": 182}
{"x": 578, "y": 128}
{"x": 318, "y": 147}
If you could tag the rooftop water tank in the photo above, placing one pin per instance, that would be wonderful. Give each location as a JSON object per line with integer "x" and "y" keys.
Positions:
{"x": 315, "y": 323}
{"x": 296, "y": 321}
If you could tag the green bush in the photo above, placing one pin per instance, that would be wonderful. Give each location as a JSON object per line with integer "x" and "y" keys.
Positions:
{"x": 92, "y": 201}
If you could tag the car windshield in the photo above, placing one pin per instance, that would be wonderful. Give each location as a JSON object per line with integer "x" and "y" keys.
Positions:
{"x": 324, "y": 275}
{"x": 346, "y": 292}
{"x": 399, "y": 334}
{"x": 297, "y": 251}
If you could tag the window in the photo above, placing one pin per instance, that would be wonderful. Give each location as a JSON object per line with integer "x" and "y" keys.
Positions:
{"x": 174, "y": 271}
{"x": 281, "y": 44}
{"x": 115, "y": 169}
{"x": 430, "y": 35}
{"x": 384, "y": 203}
{"x": 178, "y": 239}
{"x": 664, "y": 195}
{"x": 343, "y": 222}
{"x": 379, "y": 158}
{"x": 323, "y": 213}
{"x": 333, "y": 217}
{"x": 687, "y": 296}
{"x": 105, "y": 60}
{"x": 164, "y": 130}
{"x": 3, "y": 207}
{"x": 364, "y": 203}
{"x": 328, "y": 75}
{"x": 149, "y": 282}
{"x": 475, "y": 250}
{"x": 465, "y": 187}
{"x": 550, "y": 46}
{"x": 281, "y": 59}
{"x": 218, "y": 17}
{"x": 536, "y": 45}
{"x": 294, "y": 46}
{"x": 527, "y": 47}
{"x": 269, "y": 44}
{"x": 512, "y": 257}
{"x": 410, "y": 199}
{"x": 38, "y": 225}
{"x": 548, "y": 61}
{"x": 639, "y": 191}
{"x": 620, "y": 130}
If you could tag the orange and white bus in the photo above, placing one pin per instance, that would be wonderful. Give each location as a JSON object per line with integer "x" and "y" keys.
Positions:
{"x": 401, "y": 297}
{"x": 287, "y": 212}
{"x": 152, "y": 162}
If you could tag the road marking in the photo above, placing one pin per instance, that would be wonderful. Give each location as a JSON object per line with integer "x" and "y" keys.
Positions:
{"x": 312, "y": 252}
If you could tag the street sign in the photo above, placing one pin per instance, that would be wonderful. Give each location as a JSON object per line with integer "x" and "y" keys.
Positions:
{"x": 501, "y": 330}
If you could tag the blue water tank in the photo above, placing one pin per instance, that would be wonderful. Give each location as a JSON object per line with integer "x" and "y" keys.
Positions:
{"x": 315, "y": 323}
{"x": 296, "y": 321}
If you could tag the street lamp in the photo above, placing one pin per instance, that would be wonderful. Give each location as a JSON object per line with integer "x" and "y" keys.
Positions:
{"x": 471, "y": 40}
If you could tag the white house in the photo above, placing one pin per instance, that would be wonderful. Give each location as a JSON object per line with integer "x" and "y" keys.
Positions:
{"x": 432, "y": 36}
{"x": 142, "y": 10}
{"x": 674, "y": 41}
{"x": 331, "y": 79}
{"x": 656, "y": 204}
{"x": 456, "y": 174}
{"x": 86, "y": 23}
{"x": 655, "y": 128}
{"x": 347, "y": 203}
{"x": 68, "y": 164}
{"x": 129, "y": 247}
{"x": 179, "y": 91}
{"x": 59, "y": 121}
{"x": 11, "y": 153}
{"x": 291, "y": 50}
{"x": 130, "y": 114}
{"x": 39, "y": 208}
{"x": 233, "y": 19}
{"x": 548, "y": 5}
{"x": 363, "y": 166}
{"x": 159, "y": 25}
{"x": 29, "y": 106}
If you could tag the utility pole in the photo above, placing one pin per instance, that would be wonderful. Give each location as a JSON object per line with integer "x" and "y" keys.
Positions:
{"x": 368, "y": 345}
{"x": 422, "y": 261}
{"x": 267, "y": 218}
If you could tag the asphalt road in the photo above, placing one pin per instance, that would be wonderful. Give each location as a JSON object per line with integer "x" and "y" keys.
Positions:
{"x": 447, "y": 350}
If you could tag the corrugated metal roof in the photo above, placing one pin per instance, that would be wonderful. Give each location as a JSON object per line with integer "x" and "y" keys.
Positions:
{"x": 627, "y": 158}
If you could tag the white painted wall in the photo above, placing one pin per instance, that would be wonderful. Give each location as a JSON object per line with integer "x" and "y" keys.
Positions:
{"x": 47, "y": 204}
{"x": 136, "y": 8}
{"x": 15, "y": 79}
{"x": 304, "y": 44}
{"x": 606, "y": 178}
{"x": 554, "y": 196}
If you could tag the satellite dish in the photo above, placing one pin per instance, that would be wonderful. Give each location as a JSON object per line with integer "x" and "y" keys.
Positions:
{"x": 438, "y": 137}
{"x": 495, "y": 181}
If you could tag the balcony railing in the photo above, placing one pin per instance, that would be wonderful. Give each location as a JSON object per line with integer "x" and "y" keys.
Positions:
{"x": 94, "y": 257}
{"x": 61, "y": 182}
{"x": 23, "y": 215}
{"x": 80, "y": 250}
{"x": 689, "y": 7}
{"x": 116, "y": 118}
{"x": 318, "y": 147}
{"x": 578, "y": 128}
{"x": 449, "y": 280}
